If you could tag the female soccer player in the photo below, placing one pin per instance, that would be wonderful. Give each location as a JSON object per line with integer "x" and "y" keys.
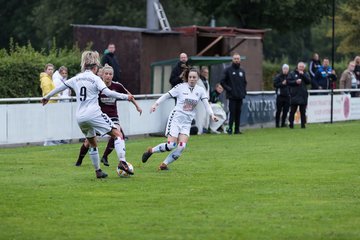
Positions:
{"x": 187, "y": 95}
{"x": 91, "y": 120}
{"x": 108, "y": 106}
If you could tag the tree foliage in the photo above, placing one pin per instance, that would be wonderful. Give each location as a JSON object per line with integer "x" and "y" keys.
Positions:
{"x": 60, "y": 15}
{"x": 298, "y": 27}
{"x": 348, "y": 24}
{"x": 39, "y": 21}
{"x": 16, "y": 21}
{"x": 276, "y": 14}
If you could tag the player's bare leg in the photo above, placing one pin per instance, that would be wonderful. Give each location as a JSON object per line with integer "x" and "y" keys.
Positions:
{"x": 109, "y": 148}
{"x": 83, "y": 151}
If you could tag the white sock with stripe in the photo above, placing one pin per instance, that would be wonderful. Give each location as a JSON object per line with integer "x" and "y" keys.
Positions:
{"x": 94, "y": 156}
{"x": 162, "y": 147}
{"x": 120, "y": 148}
{"x": 175, "y": 154}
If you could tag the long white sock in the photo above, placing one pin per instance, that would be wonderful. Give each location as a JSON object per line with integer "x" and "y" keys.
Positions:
{"x": 162, "y": 147}
{"x": 94, "y": 156}
{"x": 120, "y": 148}
{"x": 175, "y": 154}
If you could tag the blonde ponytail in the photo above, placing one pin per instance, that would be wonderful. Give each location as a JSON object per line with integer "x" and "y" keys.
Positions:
{"x": 89, "y": 59}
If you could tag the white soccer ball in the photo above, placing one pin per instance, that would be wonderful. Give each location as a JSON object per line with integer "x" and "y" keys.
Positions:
{"x": 122, "y": 173}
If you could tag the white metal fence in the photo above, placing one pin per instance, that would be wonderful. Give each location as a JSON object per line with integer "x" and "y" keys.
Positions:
{"x": 31, "y": 122}
{"x": 25, "y": 120}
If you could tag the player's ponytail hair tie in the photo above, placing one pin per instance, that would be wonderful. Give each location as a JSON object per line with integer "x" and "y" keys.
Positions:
{"x": 89, "y": 60}
{"x": 107, "y": 67}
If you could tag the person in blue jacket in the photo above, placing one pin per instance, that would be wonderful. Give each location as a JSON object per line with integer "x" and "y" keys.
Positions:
{"x": 324, "y": 76}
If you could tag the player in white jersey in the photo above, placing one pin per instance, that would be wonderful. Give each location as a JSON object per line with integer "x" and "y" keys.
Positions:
{"x": 187, "y": 95}
{"x": 89, "y": 116}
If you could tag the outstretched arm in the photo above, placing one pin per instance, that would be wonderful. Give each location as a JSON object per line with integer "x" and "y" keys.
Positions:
{"x": 160, "y": 100}
{"x": 117, "y": 95}
{"x": 138, "y": 108}
{"x": 46, "y": 98}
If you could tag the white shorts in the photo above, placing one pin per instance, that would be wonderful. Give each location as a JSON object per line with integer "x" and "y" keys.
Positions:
{"x": 177, "y": 124}
{"x": 116, "y": 122}
{"x": 99, "y": 125}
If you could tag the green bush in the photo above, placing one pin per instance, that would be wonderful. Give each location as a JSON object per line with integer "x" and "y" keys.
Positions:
{"x": 21, "y": 66}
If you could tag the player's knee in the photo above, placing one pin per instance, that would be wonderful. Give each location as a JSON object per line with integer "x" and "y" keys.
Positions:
{"x": 181, "y": 146}
{"x": 91, "y": 142}
{"x": 170, "y": 146}
{"x": 86, "y": 143}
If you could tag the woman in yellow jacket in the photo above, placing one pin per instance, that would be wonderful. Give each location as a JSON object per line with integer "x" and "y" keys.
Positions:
{"x": 46, "y": 82}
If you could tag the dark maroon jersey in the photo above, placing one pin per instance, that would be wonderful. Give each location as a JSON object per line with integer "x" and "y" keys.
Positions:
{"x": 108, "y": 104}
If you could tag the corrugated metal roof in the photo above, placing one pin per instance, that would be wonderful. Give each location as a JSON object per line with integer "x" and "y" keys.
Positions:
{"x": 197, "y": 60}
{"x": 124, "y": 28}
{"x": 216, "y": 31}
{"x": 181, "y": 30}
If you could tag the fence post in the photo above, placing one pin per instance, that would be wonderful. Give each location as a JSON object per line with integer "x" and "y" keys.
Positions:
{"x": 332, "y": 103}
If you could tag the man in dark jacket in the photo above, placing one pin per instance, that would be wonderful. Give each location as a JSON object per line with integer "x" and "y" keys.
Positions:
{"x": 177, "y": 73}
{"x": 314, "y": 65}
{"x": 297, "y": 81}
{"x": 110, "y": 59}
{"x": 234, "y": 82}
{"x": 282, "y": 96}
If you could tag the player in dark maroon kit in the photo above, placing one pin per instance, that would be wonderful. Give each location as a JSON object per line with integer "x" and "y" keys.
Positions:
{"x": 108, "y": 106}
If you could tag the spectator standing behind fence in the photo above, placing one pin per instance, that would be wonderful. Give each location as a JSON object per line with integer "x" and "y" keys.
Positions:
{"x": 234, "y": 82}
{"x": 46, "y": 81}
{"x": 47, "y": 85}
{"x": 348, "y": 78}
{"x": 202, "y": 118}
{"x": 282, "y": 96}
{"x": 357, "y": 71}
{"x": 177, "y": 73}
{"x": 314, "y": 65}
{"x": 59, "y": 77}
{"x": 297, "y": 81}
{"x": 110, "y": 59}
{"x": 324, "y": 76}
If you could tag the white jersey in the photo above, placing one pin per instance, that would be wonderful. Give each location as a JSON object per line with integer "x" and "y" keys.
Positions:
{"x": 187, "y": 99}
{"x": 86, "y": 86}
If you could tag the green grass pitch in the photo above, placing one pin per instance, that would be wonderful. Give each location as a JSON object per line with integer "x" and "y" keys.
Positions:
{"x": 265, "y": 184}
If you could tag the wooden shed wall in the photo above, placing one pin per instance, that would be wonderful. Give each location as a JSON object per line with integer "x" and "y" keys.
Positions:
{"x": 158, "y": 48}
{"x": 127, "y": 44}
{"x": 253, "y": 50}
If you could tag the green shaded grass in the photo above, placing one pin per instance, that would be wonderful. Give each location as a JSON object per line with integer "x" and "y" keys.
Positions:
{"x": 264, "y": 184}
